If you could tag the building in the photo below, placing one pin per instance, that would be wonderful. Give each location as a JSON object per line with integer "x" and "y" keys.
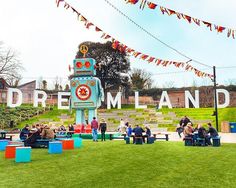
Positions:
{"x": 26, "y": 88}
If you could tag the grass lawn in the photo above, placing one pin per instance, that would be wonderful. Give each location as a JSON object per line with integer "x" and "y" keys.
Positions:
{"x": 115, "y": 164}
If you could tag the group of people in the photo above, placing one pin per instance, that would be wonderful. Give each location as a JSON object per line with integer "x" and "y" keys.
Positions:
{"x": 186, "y": 127}
{"x": 30, "y": 135}
{"x": 95, "y": 126}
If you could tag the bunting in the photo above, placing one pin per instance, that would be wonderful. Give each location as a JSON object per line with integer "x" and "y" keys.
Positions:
{"x": 124, "y": 48}
{"x": 189, "y": 19}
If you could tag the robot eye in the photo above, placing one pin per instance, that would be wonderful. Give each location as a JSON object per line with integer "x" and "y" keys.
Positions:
{"x": 87, "y": 64}
{"x": 79, "y": 65}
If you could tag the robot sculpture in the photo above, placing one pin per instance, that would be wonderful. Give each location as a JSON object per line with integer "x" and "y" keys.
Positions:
{"x": 86, "y": 90}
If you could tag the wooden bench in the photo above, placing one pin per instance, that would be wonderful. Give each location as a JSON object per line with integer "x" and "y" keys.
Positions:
{"x": 4, "y": 136}
{"x": 162, "y": 138}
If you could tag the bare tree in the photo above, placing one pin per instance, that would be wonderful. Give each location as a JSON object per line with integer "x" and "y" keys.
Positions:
{"x": 141, "y": 79}
{"x": 10, "y": 66}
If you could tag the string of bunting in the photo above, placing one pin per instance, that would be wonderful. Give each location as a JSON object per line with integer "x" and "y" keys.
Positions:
{"x": 124, "y": 48}
{"x": 189, "y": 19}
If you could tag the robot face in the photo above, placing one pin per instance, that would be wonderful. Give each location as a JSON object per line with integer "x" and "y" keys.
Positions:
{"x": 84, "y": 67}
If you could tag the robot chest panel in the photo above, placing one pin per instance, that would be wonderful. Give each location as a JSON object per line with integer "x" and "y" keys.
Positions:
{"x": 84, "y": 89}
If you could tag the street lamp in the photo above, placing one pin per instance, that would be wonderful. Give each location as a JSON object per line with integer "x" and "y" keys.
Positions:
{"x": 215, "y": 97}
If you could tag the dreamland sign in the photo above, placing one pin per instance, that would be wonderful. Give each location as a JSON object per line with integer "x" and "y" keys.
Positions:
{"x": 112, "y": 101}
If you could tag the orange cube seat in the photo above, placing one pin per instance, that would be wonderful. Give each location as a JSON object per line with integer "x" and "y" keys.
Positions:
{"x": 10, "y": 152}
{"x": 68, "y": 144}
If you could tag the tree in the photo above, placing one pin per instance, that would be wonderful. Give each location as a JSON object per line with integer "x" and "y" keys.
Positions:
{"x": 140, "y": 79}
{"x": 45, "y": 84}
{"x": 10, "y": 66}
{"x": 113, "y": 65}
{"x": 67, "y": 87}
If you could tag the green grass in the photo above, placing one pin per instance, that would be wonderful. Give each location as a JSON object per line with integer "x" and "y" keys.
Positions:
{"x": 115, "y": 164}
{"x": 53, "y": 115}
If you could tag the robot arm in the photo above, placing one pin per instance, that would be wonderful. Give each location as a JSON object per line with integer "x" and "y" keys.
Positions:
{"x": 101, "y": 91}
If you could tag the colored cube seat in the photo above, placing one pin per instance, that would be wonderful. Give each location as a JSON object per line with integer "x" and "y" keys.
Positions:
{"x": 216, "y": 141}
{"x": 10, "y": 152}
{"x": 127, "y": 140}
{"x": 77, "y": 142}
{"x": 23, "y": 154}
{"x": 188, "y": 141}
{"x": 150, "y": 140}
{"x": 3, "y": 144}
{"x": 138, "y": 140}
{"x": 55, "y": 147}
{"x": 67, "y": 144}
{"x": 201, "y": 141}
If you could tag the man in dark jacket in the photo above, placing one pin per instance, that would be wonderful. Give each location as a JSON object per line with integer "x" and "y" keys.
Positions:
{"x": 202, "y": 133}
{"x": 212, "y": 131}
{"x": 138, "y": 132}
{"x": 184, "y": 121}
{"x": 24, "y": 132}
{"x": 103, "y": 128}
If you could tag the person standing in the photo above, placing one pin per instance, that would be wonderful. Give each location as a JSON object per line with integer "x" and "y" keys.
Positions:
{"x": 103, "y": 128}
{"x": 94, "y": 127}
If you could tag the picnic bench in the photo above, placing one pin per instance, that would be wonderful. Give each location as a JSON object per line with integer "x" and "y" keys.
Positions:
{"x": 161, "y": 138}
{"x": 4, "y": 136}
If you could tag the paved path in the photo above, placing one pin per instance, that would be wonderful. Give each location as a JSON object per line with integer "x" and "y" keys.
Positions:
{"x": 225, "y": 137}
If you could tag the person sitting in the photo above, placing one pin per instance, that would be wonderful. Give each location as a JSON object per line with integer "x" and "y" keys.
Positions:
{"x": 71, "y": 130}
{"x": 24, "y": 132}
{"x": 138, "y": 132}
{"x": 47, "y": 133}
{"x": 148, "y": 131}
{"x": 188, "y": 130}
{"x": 212, "y": 131}
{"x": 179, "y": 130}
{"x": 32, "y": 138}
{"x": 202, "y": 133}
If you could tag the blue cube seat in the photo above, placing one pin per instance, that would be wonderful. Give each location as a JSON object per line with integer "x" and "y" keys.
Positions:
{"x": 3, "y": 144}
{"x": 216, "y": 141}
{"x": 201, "y": 141}
{"x": 23, "y": 154}
{"x": 127, "y": 140}
{"x": 77, "y": 142}
{"x": 55, "y": 147}
{"x": 188, "y": 141}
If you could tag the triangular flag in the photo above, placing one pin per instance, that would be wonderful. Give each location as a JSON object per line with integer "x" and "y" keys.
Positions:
{"x": 151, "y": 5}
{"x": 188, "y": 18}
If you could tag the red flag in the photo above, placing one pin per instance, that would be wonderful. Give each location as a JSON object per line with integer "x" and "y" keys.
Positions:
{"x": 143, "y": 57}
{"x": 208, "y": 24}
{"x": 129, "y": 50}
{"x": 115, "y": 44}
{"x": 132, "y": 1}
{"x": 97, "y": 29}
{"x": 171, "y": 11}
{"x": 220, "y": 29}
{"x": 151, "y": 59}
{"x": 188, "y": 18}
{"x": 136, "y": 54}
{"x": 151, "y": 5}
{"x": 107, "y": 37}
{"x": 88, "y": 25}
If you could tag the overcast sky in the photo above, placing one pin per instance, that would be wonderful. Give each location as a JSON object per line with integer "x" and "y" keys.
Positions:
{"x": 47, "y": 37}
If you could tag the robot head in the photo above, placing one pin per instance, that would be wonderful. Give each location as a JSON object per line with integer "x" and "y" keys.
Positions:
{"x": 84, "y": 67}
